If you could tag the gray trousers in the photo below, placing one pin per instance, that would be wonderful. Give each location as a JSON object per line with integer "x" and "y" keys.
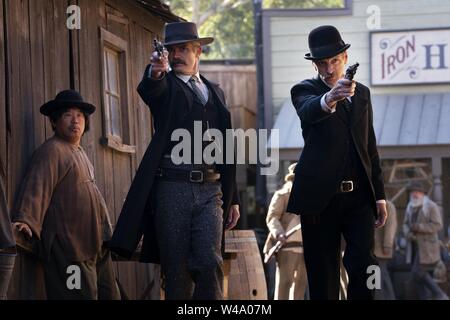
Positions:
{"x": 97, "y": 280}
{"x": 188, "y": 218}
{"x": 6, "y": 269}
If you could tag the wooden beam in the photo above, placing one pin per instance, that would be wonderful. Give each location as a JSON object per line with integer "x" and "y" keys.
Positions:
{"x": 138, "y": 14}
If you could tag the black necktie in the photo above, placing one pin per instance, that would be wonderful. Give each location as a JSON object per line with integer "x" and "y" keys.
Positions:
{"x": 196, "y": 89}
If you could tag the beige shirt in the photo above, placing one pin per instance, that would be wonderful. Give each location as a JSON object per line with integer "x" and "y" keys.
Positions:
{"x": 385, "y": 236}
{"x": 58, "y": 197}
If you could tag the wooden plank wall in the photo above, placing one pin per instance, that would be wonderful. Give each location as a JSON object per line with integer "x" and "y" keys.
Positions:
{"x": 3, "y": 112}
{"x": 37, "y": 68}
{"x": 139, "y": 41}
{"x": 239, "y": 84}
{"x": 115, "y": 170}
{"x": 42, "y": 58}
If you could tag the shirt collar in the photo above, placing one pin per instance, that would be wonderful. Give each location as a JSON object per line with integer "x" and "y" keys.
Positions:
{"x": 185, "y": 78}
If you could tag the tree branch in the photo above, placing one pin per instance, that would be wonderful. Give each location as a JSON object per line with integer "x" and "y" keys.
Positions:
{"x": 216, "y": 8}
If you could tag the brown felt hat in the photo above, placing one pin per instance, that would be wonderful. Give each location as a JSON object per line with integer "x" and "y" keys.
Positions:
{"x": 182, "y": 32}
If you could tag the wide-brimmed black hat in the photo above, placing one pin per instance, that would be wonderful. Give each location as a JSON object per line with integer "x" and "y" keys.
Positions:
{"x": 182, "y": 32}
{"x": 325, "y": 42}
{"x": 417, "y": 186}
{"x": 67, "y": 99}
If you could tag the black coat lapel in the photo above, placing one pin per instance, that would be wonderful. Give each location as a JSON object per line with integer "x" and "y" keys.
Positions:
{"x": 186, "y": 90}
{"x": 214, "y": 89}
{"x": 343, "y": 114}
{"x": 323, "y": 88}
{"x": 359, "y": 105}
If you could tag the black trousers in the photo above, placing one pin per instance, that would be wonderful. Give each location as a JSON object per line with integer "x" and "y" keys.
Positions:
{"x": 352, "y": 216}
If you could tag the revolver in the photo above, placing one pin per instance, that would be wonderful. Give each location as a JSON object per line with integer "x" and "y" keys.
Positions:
{"x": 351, "y": 70}
{"x": 158, "y": 47}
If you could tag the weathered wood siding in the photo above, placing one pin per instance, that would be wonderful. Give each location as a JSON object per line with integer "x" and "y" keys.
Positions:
{"x": 239, "y": 84}
{"x": 42, "y": 58}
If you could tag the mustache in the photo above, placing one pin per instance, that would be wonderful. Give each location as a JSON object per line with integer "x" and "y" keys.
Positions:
{"x": 177, "y": 61}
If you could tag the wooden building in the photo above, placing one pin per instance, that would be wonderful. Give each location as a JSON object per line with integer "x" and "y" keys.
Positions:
{"x": 237, "y": 78}
{"x": 104, "y": 58}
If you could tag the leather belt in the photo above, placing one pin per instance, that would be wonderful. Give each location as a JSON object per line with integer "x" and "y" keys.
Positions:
{"x": 192, "y": 176}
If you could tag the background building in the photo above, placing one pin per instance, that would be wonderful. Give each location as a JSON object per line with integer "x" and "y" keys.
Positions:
{"x": 411, "y": 108}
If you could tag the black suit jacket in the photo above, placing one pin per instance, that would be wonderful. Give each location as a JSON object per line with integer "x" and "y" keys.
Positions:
{"x": 327, "y": 135}
{"x": 167, "y": 99}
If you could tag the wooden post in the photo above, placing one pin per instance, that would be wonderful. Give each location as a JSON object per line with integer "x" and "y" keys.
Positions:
{"x": 436, "y": 169}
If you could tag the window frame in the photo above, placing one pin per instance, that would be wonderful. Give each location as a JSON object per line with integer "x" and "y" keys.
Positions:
{"x": 118, "y": 143}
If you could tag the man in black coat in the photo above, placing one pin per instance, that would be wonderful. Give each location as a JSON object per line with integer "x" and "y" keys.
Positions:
{"x": 338, "y": 187}
{"x": 179, "y": 201}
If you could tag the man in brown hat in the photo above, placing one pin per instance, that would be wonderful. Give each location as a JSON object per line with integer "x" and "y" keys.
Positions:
{"x": 59, "y": 204}
{"x": 338, "y": 187}
{"x": 421, "y": 225}
{"x": 180, "y": 202}
{"x": 7, "y": 242}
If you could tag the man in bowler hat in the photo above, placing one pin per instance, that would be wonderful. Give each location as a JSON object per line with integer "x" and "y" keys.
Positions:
{"x": 59, "y": 204}
{"x": 181, "y": 207}
{"x": 338, "y": 187}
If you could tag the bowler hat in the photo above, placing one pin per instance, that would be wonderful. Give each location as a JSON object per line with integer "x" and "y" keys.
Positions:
{"x": 67, "y": 99}
{"x": 417, "y": 186}
{"x": 182, "y": 32}
{"x": 325, "y": 42}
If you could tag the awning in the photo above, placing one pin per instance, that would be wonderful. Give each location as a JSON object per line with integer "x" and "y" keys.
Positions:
{"x": 398, "y": 120}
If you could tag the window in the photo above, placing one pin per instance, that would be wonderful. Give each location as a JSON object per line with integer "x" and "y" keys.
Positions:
{"x": 116, "y": 126}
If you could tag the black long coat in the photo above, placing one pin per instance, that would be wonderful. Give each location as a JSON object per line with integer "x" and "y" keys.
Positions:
{"x": 327, "y": 135}
{"x": 166, "y": 99}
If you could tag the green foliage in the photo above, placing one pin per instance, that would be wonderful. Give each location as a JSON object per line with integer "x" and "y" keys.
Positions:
{"x": 233, "y": 33}
{"x": 233, "y": 27}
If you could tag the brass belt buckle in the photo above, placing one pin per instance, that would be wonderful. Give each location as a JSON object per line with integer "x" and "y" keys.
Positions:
{"x": 196, "y": 176}
{"x": 346, "y": 186}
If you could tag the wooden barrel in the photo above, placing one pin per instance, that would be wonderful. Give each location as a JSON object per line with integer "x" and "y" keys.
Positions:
{"x": 244, "y": 272}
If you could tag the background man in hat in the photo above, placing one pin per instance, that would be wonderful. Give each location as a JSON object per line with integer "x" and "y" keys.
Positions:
{"x": 421, "y": 225}
{"x": 7, "y": 242}
{"x": 59, "y": 203}
{"x": 291, "y": 272}
{"x": 338, "y": 187}
{"x": 181, "y": 209}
